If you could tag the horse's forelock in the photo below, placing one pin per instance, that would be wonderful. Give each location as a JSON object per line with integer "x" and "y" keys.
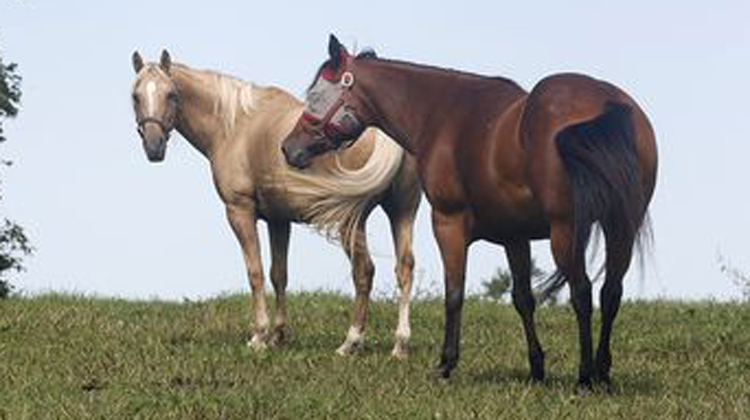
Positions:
{"x": 149, "y": 71}
{"x": 326, "y": 66}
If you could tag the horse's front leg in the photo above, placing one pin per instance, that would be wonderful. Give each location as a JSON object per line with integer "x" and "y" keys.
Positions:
{"x": 243, "y": 219}
{"x": 451, "y": 233}
{"x": 278, "y": 233}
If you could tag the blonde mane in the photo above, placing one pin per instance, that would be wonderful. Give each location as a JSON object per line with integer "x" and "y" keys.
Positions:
{"x": 232, "y": 96}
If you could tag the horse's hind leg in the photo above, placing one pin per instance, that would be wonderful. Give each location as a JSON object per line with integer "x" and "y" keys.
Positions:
{"x": 400, "y": 204}
{"x": 278, "y": 233}
{"x": 573, "y": 268}
{"x": 519, "y": 258}
{"x": 619, "y": 248}
{"x": 401, "y": 228}
{"x": 363, "y": 271}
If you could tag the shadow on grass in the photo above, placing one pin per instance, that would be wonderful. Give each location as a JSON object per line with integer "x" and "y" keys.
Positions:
{"x": 625, "y": 384}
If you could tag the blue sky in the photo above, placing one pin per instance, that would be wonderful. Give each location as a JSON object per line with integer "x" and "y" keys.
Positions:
{"x": 105, "y": 221}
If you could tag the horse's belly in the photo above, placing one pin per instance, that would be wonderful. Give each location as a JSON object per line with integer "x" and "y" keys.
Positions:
{"x": 512, "y": 213}
{"x": 501, "y": 232}
{"x": 276, "y": 205}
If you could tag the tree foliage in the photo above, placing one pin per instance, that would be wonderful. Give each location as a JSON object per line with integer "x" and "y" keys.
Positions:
{"x": 13, "y": 242}
{"x": 13, "y": 246}
{"x": 740, "y": 278}
{"x": 501, "y": 283}
{"x": 10, "y": 92}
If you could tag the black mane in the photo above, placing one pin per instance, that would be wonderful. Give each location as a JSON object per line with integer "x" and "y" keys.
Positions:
{"x": 370, "y": 54}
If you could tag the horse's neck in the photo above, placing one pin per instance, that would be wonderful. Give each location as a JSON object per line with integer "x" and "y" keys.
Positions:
{"x": 415, "y": 101}
{"x": 197, "y": 120}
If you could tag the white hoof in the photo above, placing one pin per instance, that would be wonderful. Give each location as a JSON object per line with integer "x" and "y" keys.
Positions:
{"x": 349, "y": 348}
{"x": 400, "y": 350}
{"x": 353, "y": 342}
{"x": 257, "y": 343}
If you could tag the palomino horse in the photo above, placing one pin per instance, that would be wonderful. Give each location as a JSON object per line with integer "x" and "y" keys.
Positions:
{"x": 500, "y": 164}
{"x": 239, "y": 127}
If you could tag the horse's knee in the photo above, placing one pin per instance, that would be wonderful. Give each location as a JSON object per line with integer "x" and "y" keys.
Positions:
{"x": 404, "y": 269}
{"x": 278, "y": 277}
{"x": 523, "y": 301}
{"x": 454, "y": 301}
{"x": 580, "y": 296}
{"x": 612, "y": 290}
{"x": 256, "y": 279}
{"x": 407, "y": 260}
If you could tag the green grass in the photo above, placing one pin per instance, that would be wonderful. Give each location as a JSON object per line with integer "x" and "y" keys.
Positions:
{"x": 74, "y": 357}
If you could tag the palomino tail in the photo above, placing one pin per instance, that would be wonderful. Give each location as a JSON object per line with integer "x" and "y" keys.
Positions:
{"x": 339, "y": 199}
{"x": 600, "y": 159}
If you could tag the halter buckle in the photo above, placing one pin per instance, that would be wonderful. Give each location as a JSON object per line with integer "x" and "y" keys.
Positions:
{"x": 347, "y": 79}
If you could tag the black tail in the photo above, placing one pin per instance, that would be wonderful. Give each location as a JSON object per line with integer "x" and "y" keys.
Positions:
{"x": 601, "y": 161}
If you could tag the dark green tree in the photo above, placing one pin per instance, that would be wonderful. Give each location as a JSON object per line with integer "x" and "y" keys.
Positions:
{"x": 501, "y": 283}
{"x": 13, "y": 242}
{"x": 10, "y": 92}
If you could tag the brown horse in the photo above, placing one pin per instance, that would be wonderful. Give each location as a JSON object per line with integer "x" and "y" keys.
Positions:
{"x": 500, "y": 164}
{"x": 238, "y": 127}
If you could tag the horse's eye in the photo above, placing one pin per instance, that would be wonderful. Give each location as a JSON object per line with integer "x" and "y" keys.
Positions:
{"x": 172, "y": 96}
{"x": 136, "y": 99}
{"x": 313, "y": 97}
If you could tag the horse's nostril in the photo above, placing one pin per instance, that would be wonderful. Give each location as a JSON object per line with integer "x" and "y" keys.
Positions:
{"x": 292, "y": 156}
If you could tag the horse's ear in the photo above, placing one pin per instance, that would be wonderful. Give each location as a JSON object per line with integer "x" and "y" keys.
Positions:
{"x": 336, "y": 51}
{"x": 166, "y": 61}
{"x": 137, "y": 61}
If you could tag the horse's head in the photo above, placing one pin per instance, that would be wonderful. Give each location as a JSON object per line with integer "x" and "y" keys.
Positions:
{"x": 334, "y": 113}
{"x": 155, "y": 102}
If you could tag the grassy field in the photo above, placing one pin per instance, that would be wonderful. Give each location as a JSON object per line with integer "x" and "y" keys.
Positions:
{"x": 74, "y": 357}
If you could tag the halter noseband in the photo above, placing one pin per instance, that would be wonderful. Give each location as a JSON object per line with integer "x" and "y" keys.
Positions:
{"x": 158, "y": 121}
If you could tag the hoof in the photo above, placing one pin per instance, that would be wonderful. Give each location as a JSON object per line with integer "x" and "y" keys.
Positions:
{"x": 605, "y": 384}
{"x": 280, "y": 336}
{"x": 443, "y": 371}
{"x": 584, "y": 387}
{"x": 400, "y": 354}
{"x": 439, "y": 375}
{"x": 536, "y": 375}
{"x": 536, "y": 379}
{"x": 257, "y": 343}
{"x": 400, "y": 350}
{"x": 349, "y": 348}
{"x": 536, "y": 362}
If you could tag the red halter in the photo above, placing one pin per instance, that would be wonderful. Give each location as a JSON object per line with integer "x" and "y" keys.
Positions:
{"x": 334, "y": 121}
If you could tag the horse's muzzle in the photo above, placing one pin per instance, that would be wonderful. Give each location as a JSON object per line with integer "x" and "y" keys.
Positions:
{"x": 295, "y": 156}
{"x": 154, "y": 143}
{"x": 155, "y": 153}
